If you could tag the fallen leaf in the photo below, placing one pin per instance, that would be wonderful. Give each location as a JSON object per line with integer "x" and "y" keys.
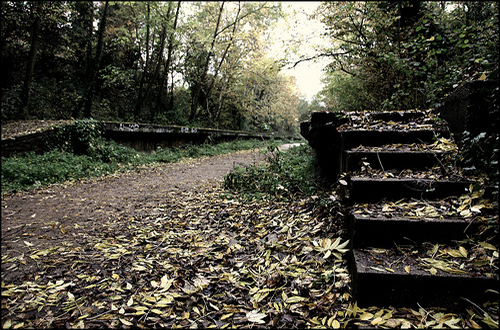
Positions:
{"x": 255, "y": 317}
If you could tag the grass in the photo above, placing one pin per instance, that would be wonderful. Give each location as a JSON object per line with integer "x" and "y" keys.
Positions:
{"x": 31, "y": 170}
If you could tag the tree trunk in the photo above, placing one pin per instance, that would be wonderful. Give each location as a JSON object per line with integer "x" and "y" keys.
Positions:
{"x": 138, "y": 104}
{"x": 88, "y": 25}
{"x": 166, "y": 69}
{"x": 196, "y": 95}
{"x": 30, "y": 67}
{"x": 156, "y": 73}
{"x": 90, "y": 92}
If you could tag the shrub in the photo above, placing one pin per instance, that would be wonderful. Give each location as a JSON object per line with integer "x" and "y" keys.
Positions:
{"x": 286, "y": 174}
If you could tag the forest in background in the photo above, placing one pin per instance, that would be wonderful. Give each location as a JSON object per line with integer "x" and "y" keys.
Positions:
{"x": 207, "y": 63}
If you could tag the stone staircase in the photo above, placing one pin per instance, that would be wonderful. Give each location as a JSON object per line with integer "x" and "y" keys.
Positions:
{"x": 412, "y": 239}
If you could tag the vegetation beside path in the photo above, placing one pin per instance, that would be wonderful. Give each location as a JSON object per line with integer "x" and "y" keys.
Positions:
{"x": 79, "y": 151}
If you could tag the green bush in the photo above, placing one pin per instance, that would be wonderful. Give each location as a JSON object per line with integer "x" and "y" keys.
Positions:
{"x": 83, "y": 137}
{"x": 286, "y": 174}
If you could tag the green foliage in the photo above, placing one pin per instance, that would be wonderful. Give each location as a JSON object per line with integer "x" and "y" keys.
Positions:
{"x": 406, "y": 55}
{"x": 148, "y": 65}
{"x": 480, "y": 153}
{"x": 104, "y": 157}
{"x": 83, "y": 137}
{"x": 35, "y": 171}
{"x": 286, "y": 174}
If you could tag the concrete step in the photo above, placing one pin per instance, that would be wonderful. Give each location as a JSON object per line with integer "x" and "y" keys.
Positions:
{"x": 352, "y": 138}
{"x": 371, "y": 190}
{"x": 398, "y": 116}
{"x": 384, "y": 231}
{"x": 381, "y": 279}
{"x": 353, "y": 160}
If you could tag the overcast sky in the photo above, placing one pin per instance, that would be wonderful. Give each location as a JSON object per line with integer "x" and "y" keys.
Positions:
{"x": 308, "y": 74}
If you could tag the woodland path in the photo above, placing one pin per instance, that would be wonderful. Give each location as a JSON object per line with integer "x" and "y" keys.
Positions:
{"x": 46, "y": 216}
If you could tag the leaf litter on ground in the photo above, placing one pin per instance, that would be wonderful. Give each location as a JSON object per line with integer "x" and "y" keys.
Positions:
{"x": 205, "y": 260}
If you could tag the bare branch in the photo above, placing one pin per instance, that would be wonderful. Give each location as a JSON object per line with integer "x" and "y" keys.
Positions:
{"x": 320, "y": 56}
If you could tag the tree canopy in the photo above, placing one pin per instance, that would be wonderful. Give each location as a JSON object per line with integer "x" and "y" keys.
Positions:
{"x": 208, "y": 63}
{"x": 186, "y": 63}
{"x": 389, "y": 55}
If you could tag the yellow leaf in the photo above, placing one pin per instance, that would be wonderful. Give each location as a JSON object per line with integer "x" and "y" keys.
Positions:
{"x": 115, "y": 276}
{"x": 407, "y": 269}
{"x": 126, "y": 322}
{"x": 165, "y": 282}
{"x": 487, "y": 246}
{"x": 223, "y": 317}
{"x": 433, "y": 271}
{"x": 327, "y": 254}
{"x": 295, "y": 299}
{"x": 18, "y": 325}
{"x": 366, "y": 316}
{"x": 256, "y": 317}
{"x": 393, "y": 323}
{"x": 483, "y": 77}
{"x": 335, "y": 324}
{"x": 454, "y": 253}
{"x": 130, "y": 302}
{"x": 7, "y": 324}
{"x": 71, "y": 296}
{"x": 378, "y": 320}
{"x": 164, "y": 302}
{"x": 463, "y": 251}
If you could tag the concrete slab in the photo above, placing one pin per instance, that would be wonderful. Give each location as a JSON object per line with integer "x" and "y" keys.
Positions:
{"x": 394, "y": 159}
{"x": 354, "y": 137}
{"x": 384, "y": 231}
{"x": 385, "y": 282}
{"x": 370, "y": 190}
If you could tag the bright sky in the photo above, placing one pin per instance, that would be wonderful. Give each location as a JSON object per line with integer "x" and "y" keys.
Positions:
{"x": 300, "y": 27}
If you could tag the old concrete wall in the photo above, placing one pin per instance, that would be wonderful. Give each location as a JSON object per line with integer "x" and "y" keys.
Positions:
{"x": 149, "y": 137}
{"x": 140, "y": 137}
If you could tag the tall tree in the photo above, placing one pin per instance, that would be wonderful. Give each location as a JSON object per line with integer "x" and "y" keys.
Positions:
{"x": 160, "y": 103}
{"x": 94, "y": 65}
{"x": 139, "y": 101}
{"x": 202, "y": 78}
{"x": 36, "y": 13}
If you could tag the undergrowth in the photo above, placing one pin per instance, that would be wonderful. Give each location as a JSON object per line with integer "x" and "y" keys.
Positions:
{"x": 79, "y": 151}
{"x": 285, "y": 175}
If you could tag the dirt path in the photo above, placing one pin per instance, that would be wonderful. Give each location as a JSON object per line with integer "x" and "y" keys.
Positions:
{"x": 44, "y": 217}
